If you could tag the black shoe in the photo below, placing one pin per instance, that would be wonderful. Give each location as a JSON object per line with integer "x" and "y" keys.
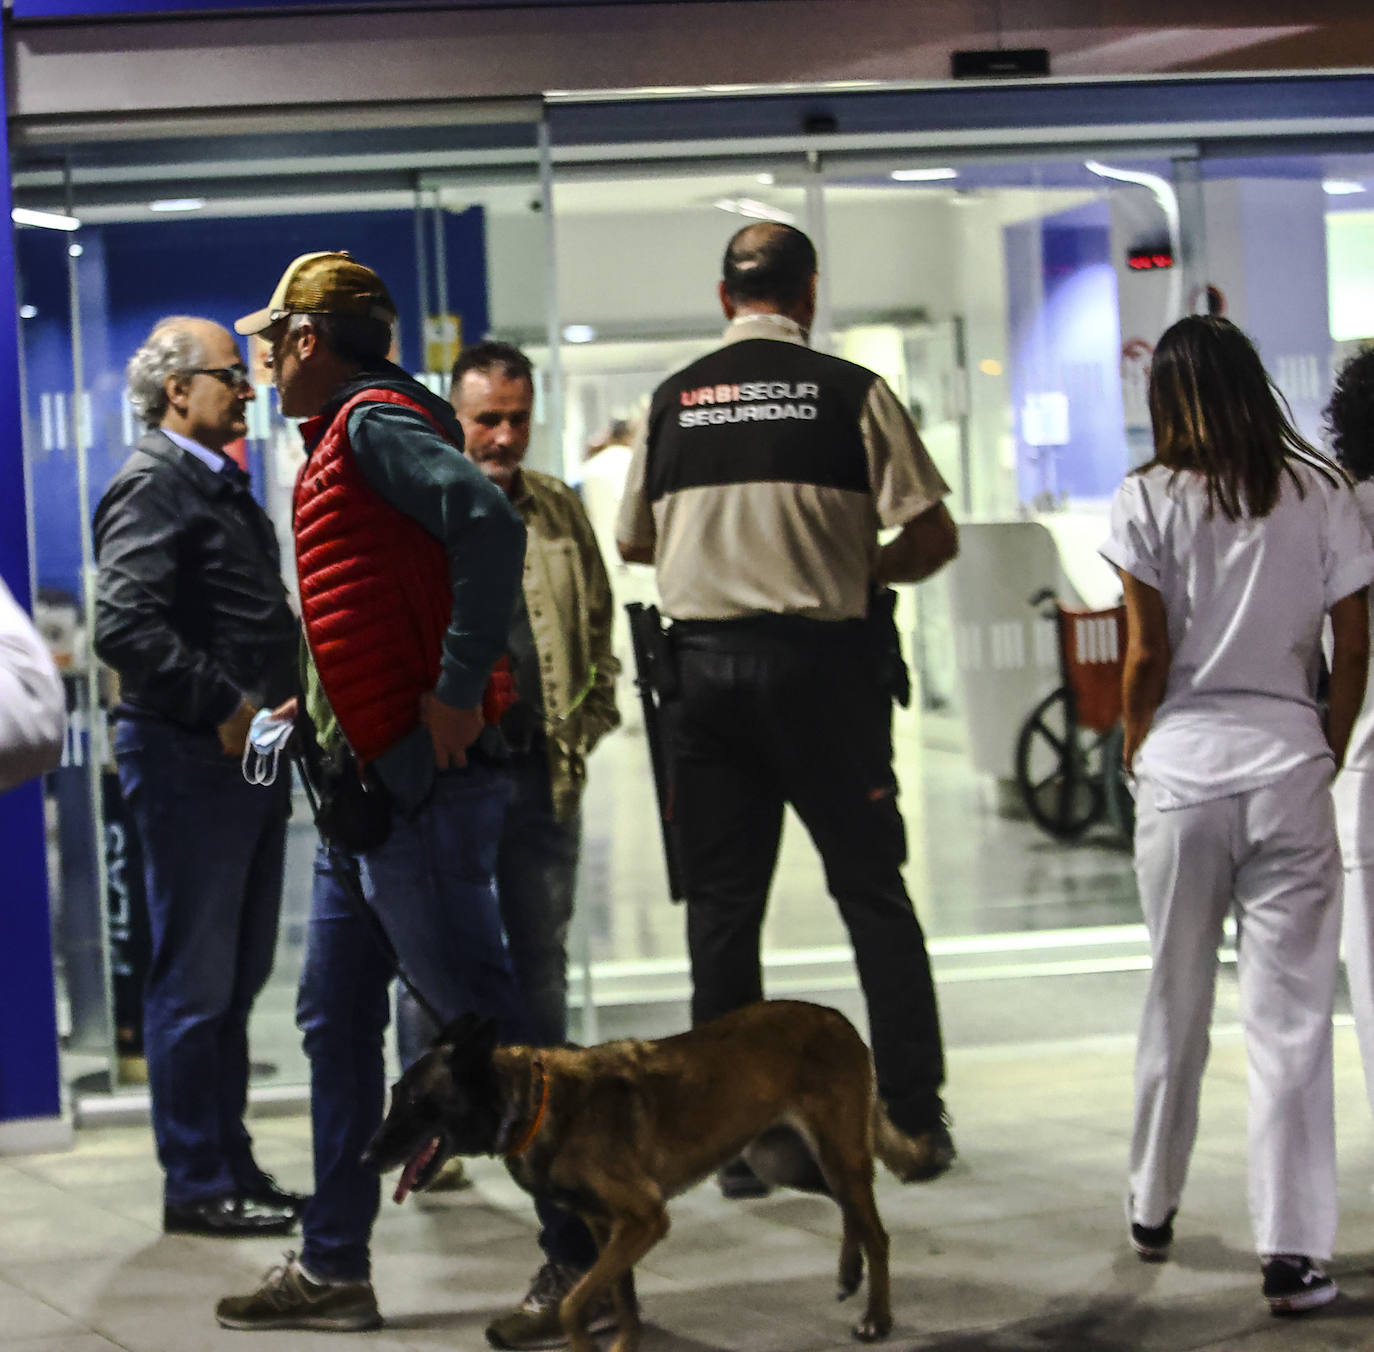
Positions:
{"x": 1152, "y": 1242}
{"x": 269, "y": 1192}
{"x": 1294, "y": 1284}
{"x": 229, "y": 1217}
{"x": 737, "y": 1181}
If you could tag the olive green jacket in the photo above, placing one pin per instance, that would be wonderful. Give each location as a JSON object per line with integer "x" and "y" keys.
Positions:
{"x": 568, "y": 597}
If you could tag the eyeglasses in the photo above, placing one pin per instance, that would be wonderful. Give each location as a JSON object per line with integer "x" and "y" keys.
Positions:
{"x": 235, "y": 376}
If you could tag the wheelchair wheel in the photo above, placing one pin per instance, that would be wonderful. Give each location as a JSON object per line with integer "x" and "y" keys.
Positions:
{"x": 1059, "y": 769}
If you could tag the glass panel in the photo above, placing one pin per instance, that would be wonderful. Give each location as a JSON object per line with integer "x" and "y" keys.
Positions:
{"x": 149, "y": 249}
{"x": 1006, "y": 303}
{"x": 638, "y": 261}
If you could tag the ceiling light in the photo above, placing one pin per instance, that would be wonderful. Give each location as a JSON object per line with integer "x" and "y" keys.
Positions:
{"x": 74, "y": 250}
{"x": 28, "y": 312}
{"x": 766, "y": 179}
{"x": 755, "y": 210}
{"x": 1341, "y": 187}
{"x": 922, "y": 175}
{"x": 45, "y": 220}
{"x": 177, "y": 204}
{"x": 579, "y": 333}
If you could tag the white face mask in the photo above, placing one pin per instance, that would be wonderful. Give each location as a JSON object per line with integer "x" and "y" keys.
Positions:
{"x": 267, "y": 739}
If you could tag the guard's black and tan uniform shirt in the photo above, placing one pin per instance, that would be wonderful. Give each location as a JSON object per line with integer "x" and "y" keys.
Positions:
{"x": 764, "y": 474}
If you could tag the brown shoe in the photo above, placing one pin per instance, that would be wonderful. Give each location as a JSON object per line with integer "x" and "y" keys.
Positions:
{"x": 534, "y": 1322}
{"x": 288, "y": 1299}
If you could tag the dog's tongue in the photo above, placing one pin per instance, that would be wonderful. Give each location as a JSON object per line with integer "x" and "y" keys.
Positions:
{"x": 414, "y": 1168}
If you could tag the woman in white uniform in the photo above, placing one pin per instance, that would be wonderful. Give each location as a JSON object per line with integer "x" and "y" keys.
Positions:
{"x": 1233, "y": 543}
{"x": 1350, "y": 416}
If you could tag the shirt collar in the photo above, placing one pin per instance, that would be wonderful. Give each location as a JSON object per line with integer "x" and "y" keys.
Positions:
{"x": 764, "y": 324}
{"x": 523, "y": 500}
{"x": 214, "y": 460}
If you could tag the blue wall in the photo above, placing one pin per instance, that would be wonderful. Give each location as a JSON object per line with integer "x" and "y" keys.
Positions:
{"x": 131, "y": 275}
{"x": 28, "y": 1017}
{"x": 1065, "y": 339}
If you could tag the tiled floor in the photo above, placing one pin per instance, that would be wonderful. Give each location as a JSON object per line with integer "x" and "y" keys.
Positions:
{"x": 1040, "y": 966}
{"x": 1020, "y": 1249}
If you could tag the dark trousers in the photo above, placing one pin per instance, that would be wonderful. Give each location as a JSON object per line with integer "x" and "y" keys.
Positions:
{"x": 772, "y": 714}
{"x": 213, "y": 847}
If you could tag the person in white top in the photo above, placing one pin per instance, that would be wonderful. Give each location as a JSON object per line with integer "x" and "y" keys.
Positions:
{"x": 1233, "y": 543}
{"x": 33, "y": 707}
{"x": 1350, "y": 418}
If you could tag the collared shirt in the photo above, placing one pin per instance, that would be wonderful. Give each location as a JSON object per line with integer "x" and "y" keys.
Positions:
{"x": 1245, "y": 602}
{"x": 764, "y": 475}
{"x": 215, "y": 460}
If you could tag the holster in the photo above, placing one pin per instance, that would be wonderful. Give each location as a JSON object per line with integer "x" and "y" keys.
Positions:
{"x": 354, "y": 808}
{"x": 885, "y": 644}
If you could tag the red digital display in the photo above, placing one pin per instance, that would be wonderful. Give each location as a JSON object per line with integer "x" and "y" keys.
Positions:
{"x": 1149, "y": 260}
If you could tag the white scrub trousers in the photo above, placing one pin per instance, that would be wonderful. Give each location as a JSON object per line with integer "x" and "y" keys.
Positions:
{"x": 1271, "y": 855}
{"x": 1353, "y": 793}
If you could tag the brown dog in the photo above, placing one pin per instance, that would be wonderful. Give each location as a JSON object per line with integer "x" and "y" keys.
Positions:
{"x": 614, "y": 1131}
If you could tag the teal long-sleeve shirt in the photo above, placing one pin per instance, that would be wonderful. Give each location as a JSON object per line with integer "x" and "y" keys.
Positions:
{"x": 427, "y": 477}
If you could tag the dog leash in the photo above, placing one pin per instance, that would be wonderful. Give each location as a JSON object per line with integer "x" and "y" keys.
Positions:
{"x": 541, "y": 1075}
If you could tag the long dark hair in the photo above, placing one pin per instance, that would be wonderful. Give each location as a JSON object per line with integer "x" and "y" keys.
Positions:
{"x": 1350, "y": 415}
{"x": 1216, "y": 412}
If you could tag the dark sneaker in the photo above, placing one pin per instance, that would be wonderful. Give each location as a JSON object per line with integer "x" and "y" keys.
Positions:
{"x": 288, "y": 1299}
{"x": 1152, "y": 1242}
{"x": 737, "y": 1180}
{"x": 535, "y": 1323}
{"x": 1293, "y": 1283}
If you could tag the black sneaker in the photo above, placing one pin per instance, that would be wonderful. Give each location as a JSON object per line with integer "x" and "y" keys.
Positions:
{"x": 1294, "y": 1283}
{"x": 1152, "y": 1242}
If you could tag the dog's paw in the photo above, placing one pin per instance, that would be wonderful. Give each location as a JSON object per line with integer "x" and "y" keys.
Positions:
{"x": 873, "y": 1330}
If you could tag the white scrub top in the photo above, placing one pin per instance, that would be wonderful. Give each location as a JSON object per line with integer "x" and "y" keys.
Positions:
{"x": 1245, "y": 602}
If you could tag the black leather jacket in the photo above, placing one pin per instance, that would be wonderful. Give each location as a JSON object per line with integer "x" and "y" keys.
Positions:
{"x": 190, "y": 608}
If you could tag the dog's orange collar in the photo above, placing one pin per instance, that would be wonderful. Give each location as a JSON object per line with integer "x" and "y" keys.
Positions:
{"x": 540, "y": 1076}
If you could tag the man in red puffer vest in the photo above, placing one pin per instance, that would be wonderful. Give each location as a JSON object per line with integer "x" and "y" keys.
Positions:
{"x": 409, "y": 563}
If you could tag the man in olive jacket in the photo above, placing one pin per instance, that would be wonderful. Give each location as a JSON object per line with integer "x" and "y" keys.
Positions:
{"x": 192, "y": 614}
{"x": 564, "y": 670}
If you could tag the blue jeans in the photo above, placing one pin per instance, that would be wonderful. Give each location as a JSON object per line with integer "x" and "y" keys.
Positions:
{"x": 536, "y": 878}
{"x": 213, "y": 847}
{"x": 432, "y": 886}
{"x": 536, "y": 874}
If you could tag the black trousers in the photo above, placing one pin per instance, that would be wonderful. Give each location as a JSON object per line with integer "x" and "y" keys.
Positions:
{"x": 790, "y": 712}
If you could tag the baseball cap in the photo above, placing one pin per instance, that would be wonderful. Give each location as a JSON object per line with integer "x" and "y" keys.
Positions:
{"x": 329, "y": 283}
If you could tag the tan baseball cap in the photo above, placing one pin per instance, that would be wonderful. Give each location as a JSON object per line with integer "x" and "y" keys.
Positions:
{"x": 328, "y": 283}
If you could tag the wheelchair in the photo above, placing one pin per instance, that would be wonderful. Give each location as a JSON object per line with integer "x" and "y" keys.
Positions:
{"x": 1068, "y": 752}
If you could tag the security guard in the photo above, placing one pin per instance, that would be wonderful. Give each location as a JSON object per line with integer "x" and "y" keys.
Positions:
{"x": 758, "y": 490}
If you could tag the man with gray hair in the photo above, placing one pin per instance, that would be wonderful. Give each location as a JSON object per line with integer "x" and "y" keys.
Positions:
{"x": 192, "y": 615}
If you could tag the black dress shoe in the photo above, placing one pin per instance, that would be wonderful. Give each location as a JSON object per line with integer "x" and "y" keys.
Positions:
{"x": 226, "y": 1216}
{"x": 269, "y": 1192}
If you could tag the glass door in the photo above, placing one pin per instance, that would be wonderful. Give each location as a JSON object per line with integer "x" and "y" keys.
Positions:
{"x": 165, "y": 227}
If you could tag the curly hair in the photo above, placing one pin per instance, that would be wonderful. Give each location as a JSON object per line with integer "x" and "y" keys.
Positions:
{"x": 1350, "y": 415}
{"x": 171, "y": 348}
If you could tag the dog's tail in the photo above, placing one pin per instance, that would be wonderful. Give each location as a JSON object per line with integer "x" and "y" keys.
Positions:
{"x": 912, "y": 1159}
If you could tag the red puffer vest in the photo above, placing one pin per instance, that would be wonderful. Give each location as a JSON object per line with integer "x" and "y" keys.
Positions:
{"x": 375, "y": 594}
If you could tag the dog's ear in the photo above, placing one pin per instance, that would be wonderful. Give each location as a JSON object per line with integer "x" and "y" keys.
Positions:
{"x": 467, "y": 1039}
